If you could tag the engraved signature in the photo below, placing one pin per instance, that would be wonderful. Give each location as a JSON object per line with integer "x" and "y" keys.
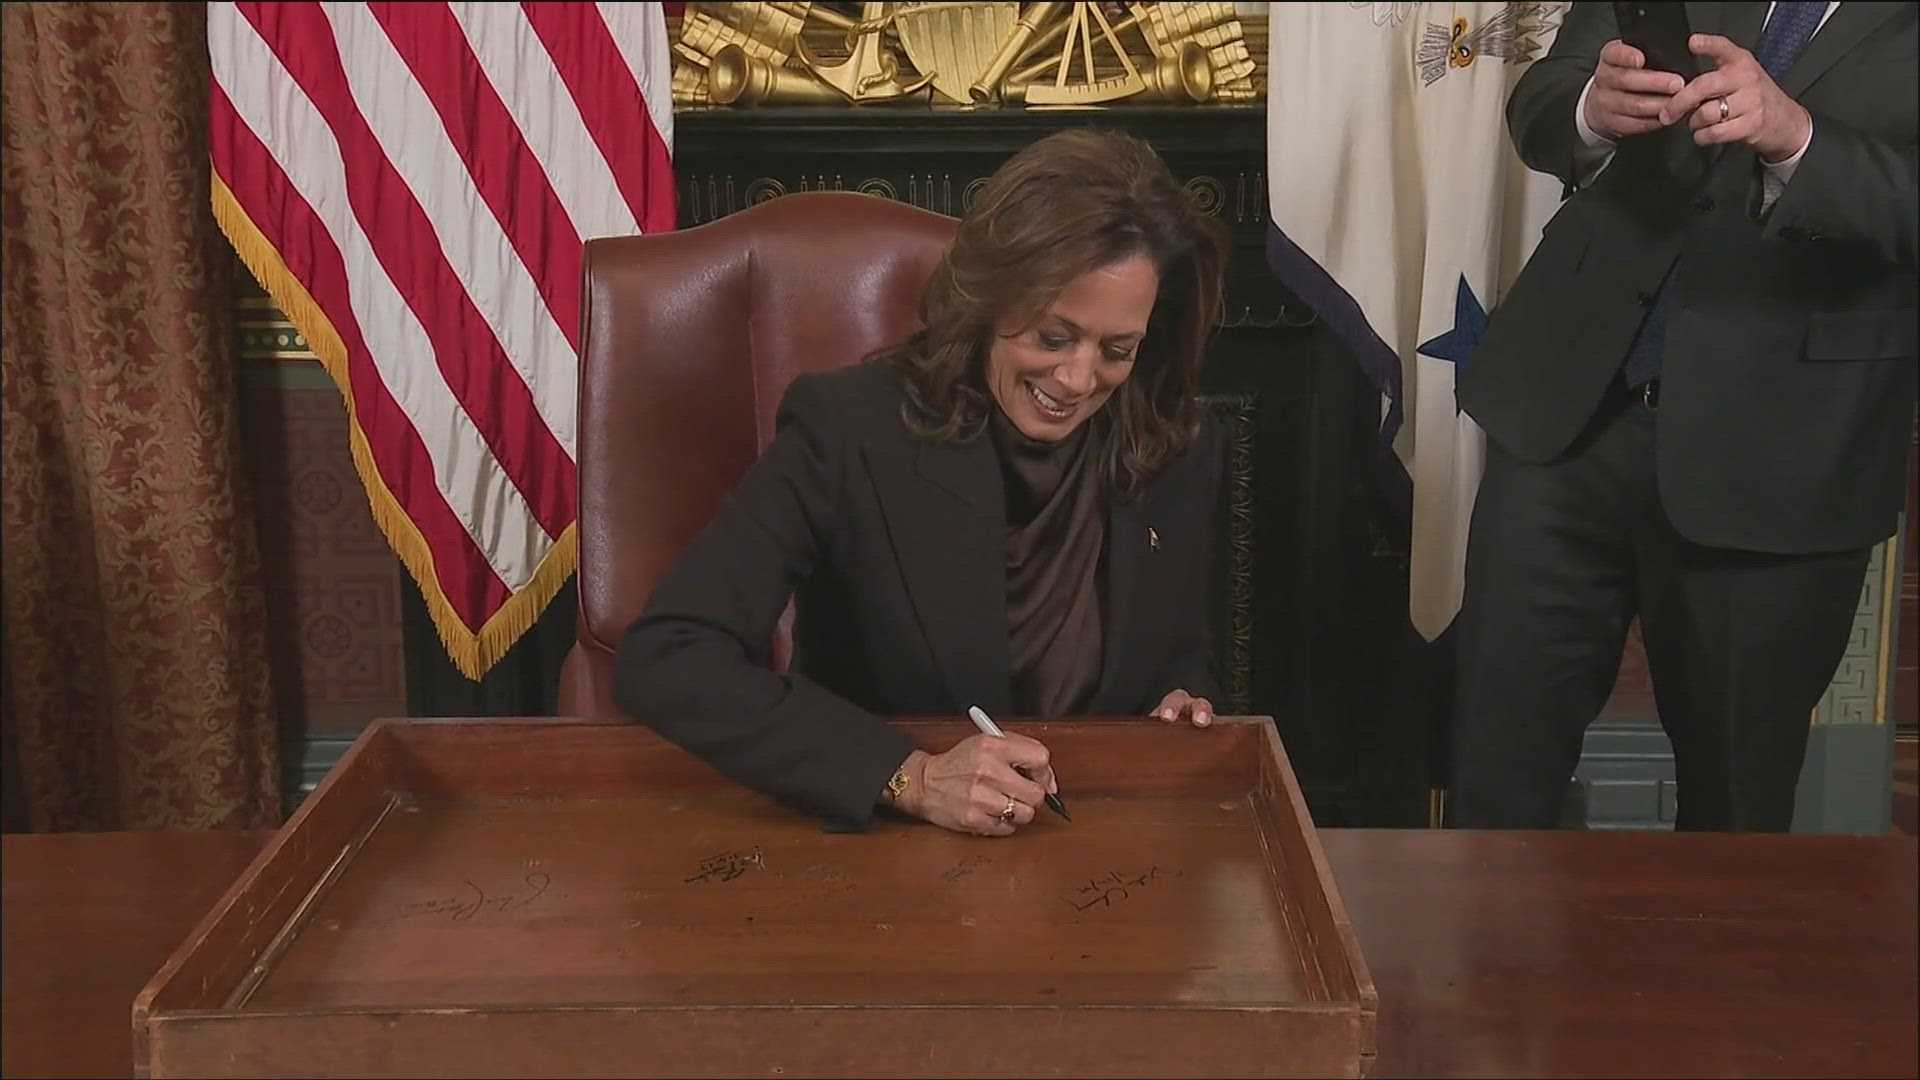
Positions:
{"x": 826, "y": 878}
{"x": 963, "y": 869}
{"x": 1113, "y": 886}
{"x": 464, "y": 907}
{"x": 728, "y": 865}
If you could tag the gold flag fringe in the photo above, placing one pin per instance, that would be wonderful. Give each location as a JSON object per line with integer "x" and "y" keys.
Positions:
{"x": 472, "y": 652}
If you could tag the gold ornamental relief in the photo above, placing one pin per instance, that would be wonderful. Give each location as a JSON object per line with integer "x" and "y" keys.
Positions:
{"x": 965, "y": 54}
{"x": 954, "y": 43}
{"x": 1215, "y": 29}
{"x": 763, "y": 31}
{"x": 871, "y": 72}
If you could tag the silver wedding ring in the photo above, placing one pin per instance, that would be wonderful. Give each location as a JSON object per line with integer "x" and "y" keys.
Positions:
{"x": 1007, "y": 814}
{"x": 1724, "y": 110}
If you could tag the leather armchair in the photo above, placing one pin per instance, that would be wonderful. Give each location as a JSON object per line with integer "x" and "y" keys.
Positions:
{"x": 689, "y": 339}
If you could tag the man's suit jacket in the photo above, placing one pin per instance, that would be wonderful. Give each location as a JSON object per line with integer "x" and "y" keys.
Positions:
{"x": 897, "y": 549}
{"x": 1788, "y": 380}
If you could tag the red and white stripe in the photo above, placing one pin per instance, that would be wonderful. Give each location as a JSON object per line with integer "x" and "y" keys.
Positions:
{"x": 428, "y": 173}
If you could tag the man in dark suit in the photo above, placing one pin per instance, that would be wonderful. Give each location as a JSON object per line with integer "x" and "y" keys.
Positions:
{"x": 1697, "y": 399}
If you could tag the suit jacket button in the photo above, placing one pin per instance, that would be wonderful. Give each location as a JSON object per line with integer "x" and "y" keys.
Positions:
{"x": 1645, "y": 298}
{"x": 1793, "y": 233}
{"x": 1703, "y": 203}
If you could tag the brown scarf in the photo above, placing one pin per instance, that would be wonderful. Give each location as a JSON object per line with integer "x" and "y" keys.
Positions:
{"x": 1056, "y": 531}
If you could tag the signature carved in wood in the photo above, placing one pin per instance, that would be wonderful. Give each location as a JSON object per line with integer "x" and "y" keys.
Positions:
{"x": 963, "y": 869}
{"x": 464, "y": 906}
{"x": 1114, "y": 887}
{"x": 727, "y": 865}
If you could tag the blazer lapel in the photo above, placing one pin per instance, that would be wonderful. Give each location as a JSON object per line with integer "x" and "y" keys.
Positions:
{"x": 1848, "y": 26}
{"x": 1706, "y": 18}
{"x": 946, "y": 520}
{"x": 1739, "y": 23}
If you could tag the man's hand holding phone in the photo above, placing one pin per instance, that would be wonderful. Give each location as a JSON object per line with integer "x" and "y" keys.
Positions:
{"x": 1627, "y": 97}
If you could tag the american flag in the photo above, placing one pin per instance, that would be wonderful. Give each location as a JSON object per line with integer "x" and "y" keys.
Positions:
{"x": 413, "y": 183}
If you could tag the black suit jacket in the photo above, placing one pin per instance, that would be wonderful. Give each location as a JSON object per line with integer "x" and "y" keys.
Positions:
{"x": 1789, "y": 374}
{"x": 894, "y": 549}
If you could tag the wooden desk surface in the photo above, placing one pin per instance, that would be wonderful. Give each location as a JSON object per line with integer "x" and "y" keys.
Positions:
{"x": 1636, "y": 954}
{"x": 87, "y": 919}
{"x": 1495, "y": 954}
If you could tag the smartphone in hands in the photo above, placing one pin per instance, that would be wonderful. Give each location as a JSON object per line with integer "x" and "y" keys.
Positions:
{"x": 1660, "y": 32}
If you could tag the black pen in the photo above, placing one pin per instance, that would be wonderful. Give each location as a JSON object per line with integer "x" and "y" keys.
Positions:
{"x": 987, "y": 727}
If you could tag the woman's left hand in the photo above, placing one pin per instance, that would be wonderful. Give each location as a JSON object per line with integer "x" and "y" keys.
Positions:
{"x": 1179, "y": 705}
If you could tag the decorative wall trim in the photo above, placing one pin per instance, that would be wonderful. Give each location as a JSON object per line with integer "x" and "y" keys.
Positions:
{"x": 1234, "y": 641}
{"x": 1846, "y": 785}
{"x": 1863, "y": 682}
{"x": 262, "y": 332}
{"x": 307, "y": 763}
{"x": 1625, "y": 779}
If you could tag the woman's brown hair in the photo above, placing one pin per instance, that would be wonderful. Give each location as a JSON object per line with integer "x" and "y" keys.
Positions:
{"x": 1073, "y": 202}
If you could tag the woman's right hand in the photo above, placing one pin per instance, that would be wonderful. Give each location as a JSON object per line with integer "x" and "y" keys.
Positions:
{"x": 970, "y": 787}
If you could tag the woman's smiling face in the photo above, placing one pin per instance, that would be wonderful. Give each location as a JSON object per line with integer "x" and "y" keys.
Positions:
{"x": 1053, "y": 375}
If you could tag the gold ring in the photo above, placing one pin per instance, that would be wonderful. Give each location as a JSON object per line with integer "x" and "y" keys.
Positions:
{"x": 1007, "y": 814}
{"x": 1724, "y": 111}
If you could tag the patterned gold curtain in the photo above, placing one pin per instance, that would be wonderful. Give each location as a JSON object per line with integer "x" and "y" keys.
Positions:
{"x": 132, "y": 614}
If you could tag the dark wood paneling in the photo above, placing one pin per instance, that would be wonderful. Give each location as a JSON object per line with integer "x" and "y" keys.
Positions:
{"x": 333, "y": 585}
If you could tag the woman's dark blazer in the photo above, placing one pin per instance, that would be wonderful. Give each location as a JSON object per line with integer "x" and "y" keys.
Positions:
{"x": 894, "y": 548}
